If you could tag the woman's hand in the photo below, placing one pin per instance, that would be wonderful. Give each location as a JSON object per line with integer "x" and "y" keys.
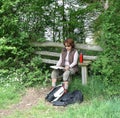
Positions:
{"x": 67, "y": 67}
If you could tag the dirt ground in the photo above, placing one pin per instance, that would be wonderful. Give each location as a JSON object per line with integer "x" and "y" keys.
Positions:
{"x": 30, "y": 99}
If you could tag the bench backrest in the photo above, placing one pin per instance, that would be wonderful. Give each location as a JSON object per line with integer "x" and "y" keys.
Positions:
{"x": 50, "y": 51}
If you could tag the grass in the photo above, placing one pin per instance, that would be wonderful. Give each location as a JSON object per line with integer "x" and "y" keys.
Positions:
{"x": 95, "y": 105}
{"x": 96, "y": 108}
{"x": 93, "y": 89}
{"x": 9, "y": 94}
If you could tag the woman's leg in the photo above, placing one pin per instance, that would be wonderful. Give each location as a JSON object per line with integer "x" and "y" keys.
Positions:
{"x": 54, "y": 75}
{"x": 66, "y": 78}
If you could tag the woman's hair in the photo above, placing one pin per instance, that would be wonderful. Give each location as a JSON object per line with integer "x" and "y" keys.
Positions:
{"x": 70, "y": 42}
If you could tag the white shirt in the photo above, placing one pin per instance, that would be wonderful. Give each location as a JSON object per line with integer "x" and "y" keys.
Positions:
{"x": 75, "y": 60}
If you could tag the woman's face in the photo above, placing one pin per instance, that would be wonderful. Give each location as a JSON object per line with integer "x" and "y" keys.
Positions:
{"x": 68, "y": 46}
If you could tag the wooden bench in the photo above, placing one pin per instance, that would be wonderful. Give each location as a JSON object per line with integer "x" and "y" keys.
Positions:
{"x": 50, "y": 52}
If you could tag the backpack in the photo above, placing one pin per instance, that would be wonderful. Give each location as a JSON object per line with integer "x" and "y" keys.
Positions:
{"x": 55, "y": 94}
{"x": 69, "y": 98}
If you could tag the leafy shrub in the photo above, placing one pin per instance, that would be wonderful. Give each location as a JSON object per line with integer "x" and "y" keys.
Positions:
{"x": 108, "y": 64}
{"x": 25, "y": 76}
{"x": 37, "y": 72}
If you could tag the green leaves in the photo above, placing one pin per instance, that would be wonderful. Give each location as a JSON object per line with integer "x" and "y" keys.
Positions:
{"x": 4, "y": 48}
{"x": 109, "y": 62}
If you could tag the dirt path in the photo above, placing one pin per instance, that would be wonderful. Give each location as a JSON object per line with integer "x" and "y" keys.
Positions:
{"x": 31, "y": 98}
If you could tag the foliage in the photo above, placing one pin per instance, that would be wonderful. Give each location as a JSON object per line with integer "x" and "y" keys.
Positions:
{"x": 37, "y": 16}
{"x": 22, "y": 22}
{"x": 35, "y": 74}
{"x": 108, "y": 35}
{"x": 20, "y": 25}
{"x": 30, "y": 74}
{"x": 6, "y": 51}
{"x": 16, "y": 29}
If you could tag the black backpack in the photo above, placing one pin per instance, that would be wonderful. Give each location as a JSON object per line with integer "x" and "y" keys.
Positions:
{"x": 55, "y": 94}
{"x": 69, "y": 98}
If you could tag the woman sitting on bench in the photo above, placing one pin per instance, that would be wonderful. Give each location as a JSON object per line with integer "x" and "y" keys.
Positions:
{"x": 69, "y": 60}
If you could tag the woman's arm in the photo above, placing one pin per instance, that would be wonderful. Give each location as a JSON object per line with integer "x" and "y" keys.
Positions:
{"x": 75, "y": 60}
{"x": 59, "y": 61}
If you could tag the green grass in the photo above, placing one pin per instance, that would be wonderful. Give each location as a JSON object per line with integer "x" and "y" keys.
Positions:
{"x": 94, "y": 87}
{"x": 96, "y": 103}
{"x": 9, "y": 94}
{"x": 96, "y": 108}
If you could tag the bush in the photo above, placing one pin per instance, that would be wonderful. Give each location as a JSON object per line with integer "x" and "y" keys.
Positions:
{"x": 108, "y": 64}
{"x": 30, "y": 74}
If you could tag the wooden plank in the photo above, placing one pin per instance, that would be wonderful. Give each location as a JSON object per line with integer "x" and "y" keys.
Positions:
{"x": 55, "y": 54}
{"x": 47, "y": 44}
{"x": 89, "y": 47}
{"x": 50, "y": 61}
{"x": 87, "y": 57}
{"x": 47, "y": 53}
{"x": 57, "y": 44}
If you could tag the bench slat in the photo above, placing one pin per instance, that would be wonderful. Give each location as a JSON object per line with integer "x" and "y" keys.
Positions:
{"x": 89, "y": 47}
{"x": 47, "y": 53}
{"x": 54, "y": 54}
{"x": 57, "y": 44}
{"x": 87, "y": 57}
{"x": 47, "y": 44}
{"x": 50, "y": 61}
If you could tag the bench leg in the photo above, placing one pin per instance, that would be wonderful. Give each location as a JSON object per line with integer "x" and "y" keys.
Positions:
{"x": 84, "y": 74}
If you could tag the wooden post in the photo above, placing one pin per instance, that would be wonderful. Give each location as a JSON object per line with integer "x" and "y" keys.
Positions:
{"x": 84, "y": 74}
